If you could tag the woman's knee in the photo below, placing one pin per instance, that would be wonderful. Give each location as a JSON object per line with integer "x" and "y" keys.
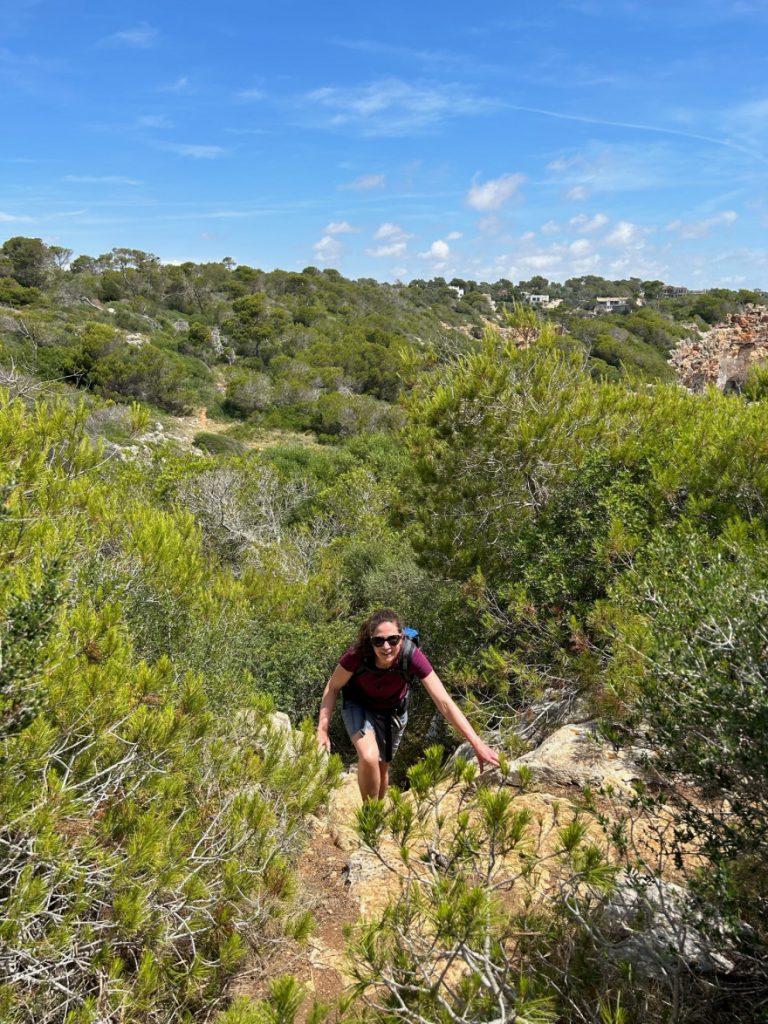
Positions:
{"x": 368, "y": 750}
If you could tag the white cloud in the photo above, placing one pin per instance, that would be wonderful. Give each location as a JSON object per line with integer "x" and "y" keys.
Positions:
{"x": 550, "y": 228}
{"x": 581, "y": 247}
{"x": 626, "y": 233}
{"x": 494, "y": 193}
{"x": 180, "y": 85}
{"x": 576, "y": 194}
{"x": 153, "y": 121}
{"x": 586, "y": 224}
{"x": 391, "y": 231}
{"x": 395, "y": 249}
{"x": 142, "y": 36}
{"x": 104, "y": 179}
{"x": 702, "y": 228}
{"x": 541, "y": 261}
{"x": 365, "y": 182}
{"x": 392, "y": 107}
{"x": 339, "y": 227}
{"x": 6, "y": 218}
{"x": 328, "y": 249}
{"x": 252, "y": 95}
{"x": 439, "y": 250}
{"x": 198, "y": 152}
{"x": 528, "y": 236}
{"x": 559, "y": 165}
{"x": 454, "y": 236}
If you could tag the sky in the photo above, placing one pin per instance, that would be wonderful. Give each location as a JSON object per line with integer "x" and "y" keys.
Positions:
{"x": 395, "y": 140}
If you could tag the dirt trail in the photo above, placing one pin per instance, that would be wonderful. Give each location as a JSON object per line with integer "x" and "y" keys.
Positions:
{"x": 184, "y": 429}
{"x": 323, "y": 876}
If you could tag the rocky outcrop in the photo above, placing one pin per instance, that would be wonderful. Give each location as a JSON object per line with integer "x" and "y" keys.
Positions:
{"x": 575, "y": 755}
{"x": 724, "y": 355}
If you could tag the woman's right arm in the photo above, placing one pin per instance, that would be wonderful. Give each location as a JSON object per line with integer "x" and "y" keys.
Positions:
{"x": 330, "y": 694}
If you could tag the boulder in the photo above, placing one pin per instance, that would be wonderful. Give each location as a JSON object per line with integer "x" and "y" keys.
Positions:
{"x": 654, "y": 925}
{"x": 575, "y": 755}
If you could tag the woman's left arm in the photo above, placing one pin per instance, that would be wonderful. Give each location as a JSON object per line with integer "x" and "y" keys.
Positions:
{"x": 451, "y": 712}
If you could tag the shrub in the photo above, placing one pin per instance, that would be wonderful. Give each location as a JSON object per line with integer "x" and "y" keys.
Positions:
{"x": 218, "y": 444}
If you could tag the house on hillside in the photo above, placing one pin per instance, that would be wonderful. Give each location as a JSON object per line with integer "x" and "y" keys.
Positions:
{"x": 611, "y": 304}
{"x": 673, "y": 291}
{"x": 535, "y": 300}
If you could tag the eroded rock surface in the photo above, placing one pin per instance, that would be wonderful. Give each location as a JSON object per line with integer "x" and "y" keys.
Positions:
{"x": 724, "y": 355}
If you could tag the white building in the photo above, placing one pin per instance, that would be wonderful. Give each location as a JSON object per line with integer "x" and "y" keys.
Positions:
{"x": 609, "y": 304}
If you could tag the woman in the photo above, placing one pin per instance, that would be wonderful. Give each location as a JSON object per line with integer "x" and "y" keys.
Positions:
{"x": 375, "y": 714}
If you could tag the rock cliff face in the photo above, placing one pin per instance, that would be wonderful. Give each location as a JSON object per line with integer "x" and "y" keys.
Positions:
{"x": 724, "y": 355}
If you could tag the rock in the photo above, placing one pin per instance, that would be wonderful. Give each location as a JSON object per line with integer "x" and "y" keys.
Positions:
{"x": 180, "y": 325}
{"x": 217, "y": 341}
{"x": 136, "y": 339}
{"x": 342, "y": 808}
{"x": 724, "y": 355}
{"x": 652, "y": 924}
{"x": 10, "y": 324}
{"x": 574, "y": 755}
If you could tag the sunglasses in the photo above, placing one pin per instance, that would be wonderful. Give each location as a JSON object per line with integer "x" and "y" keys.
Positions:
{"x": 393, "y": 641}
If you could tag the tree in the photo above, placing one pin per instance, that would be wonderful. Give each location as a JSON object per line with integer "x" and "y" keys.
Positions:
{"x": 28, "y": 260}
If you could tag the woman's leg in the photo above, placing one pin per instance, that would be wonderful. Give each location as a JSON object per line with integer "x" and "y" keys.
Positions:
{"x": 369, "y": 776}
{"x": 383, "y": 779}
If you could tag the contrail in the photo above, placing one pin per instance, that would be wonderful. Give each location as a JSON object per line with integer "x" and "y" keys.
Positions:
{"x": 640, "y": 127}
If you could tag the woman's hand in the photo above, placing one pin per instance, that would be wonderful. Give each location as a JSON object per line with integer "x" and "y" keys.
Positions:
{"x": 485, "y": 755}
{"x": 323, "y": 741}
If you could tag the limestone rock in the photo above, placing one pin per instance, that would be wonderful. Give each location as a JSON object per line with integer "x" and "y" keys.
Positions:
{"x": 724, "y": 355}
{"x": 653, "y": 923}
{"x": 574, "y": 755}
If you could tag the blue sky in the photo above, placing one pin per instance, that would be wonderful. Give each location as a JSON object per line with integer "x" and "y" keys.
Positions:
{"x": 395, "y": 140}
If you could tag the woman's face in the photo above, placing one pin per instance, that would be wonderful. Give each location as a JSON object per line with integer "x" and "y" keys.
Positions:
{"x": 388, "y": 651}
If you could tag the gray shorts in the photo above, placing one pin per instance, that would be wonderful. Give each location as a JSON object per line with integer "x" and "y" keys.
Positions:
{"x": 359, "y": 720}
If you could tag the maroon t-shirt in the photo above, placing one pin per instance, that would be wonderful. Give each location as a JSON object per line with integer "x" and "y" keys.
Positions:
{"x": 382, "y": 689}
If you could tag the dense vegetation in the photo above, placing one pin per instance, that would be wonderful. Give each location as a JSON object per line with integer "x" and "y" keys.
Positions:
{"x": 560, "y": 532}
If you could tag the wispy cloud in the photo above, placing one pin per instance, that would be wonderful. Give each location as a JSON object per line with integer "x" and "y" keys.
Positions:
{"x": 365, "y": 182}
{"x": 493, "y": 193}
{"x": 197, "y": 152}
{"x": 395, "y": 249}
{"x": 443, "y": 60}
{"x": 627, "y": 234}
{"x": 702, "y": 228}
{"x": 8, "y": 218}
{"x": 390, "y": 231}
{"x": 141, "y": 36}
{"x": 252, "y": 95}
{"x": 104, "y": 179}
{"x": 27, "y": 72}
{"x": 393, "y": 107}
{"x": 180, "y": 85}
{"x": 339, "y": 227}
{"x": 153, "y": 121}
{"x": 637, "y": 126}
{"x": 587, "y": 224}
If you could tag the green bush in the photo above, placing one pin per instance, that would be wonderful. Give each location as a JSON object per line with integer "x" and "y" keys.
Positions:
{"x": 218, "y": 444}
{"x": 147, "y": 826}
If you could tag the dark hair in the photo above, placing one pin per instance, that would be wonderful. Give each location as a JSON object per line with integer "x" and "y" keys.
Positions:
{"x": 363, "y": 643}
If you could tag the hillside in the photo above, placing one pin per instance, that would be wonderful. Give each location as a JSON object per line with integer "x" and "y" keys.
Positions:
{"x": 307, "y": 351}
{"x": 203, "y": 494}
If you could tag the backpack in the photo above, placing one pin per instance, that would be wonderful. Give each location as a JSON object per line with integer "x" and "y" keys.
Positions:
{"x": 410, "y": 643}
